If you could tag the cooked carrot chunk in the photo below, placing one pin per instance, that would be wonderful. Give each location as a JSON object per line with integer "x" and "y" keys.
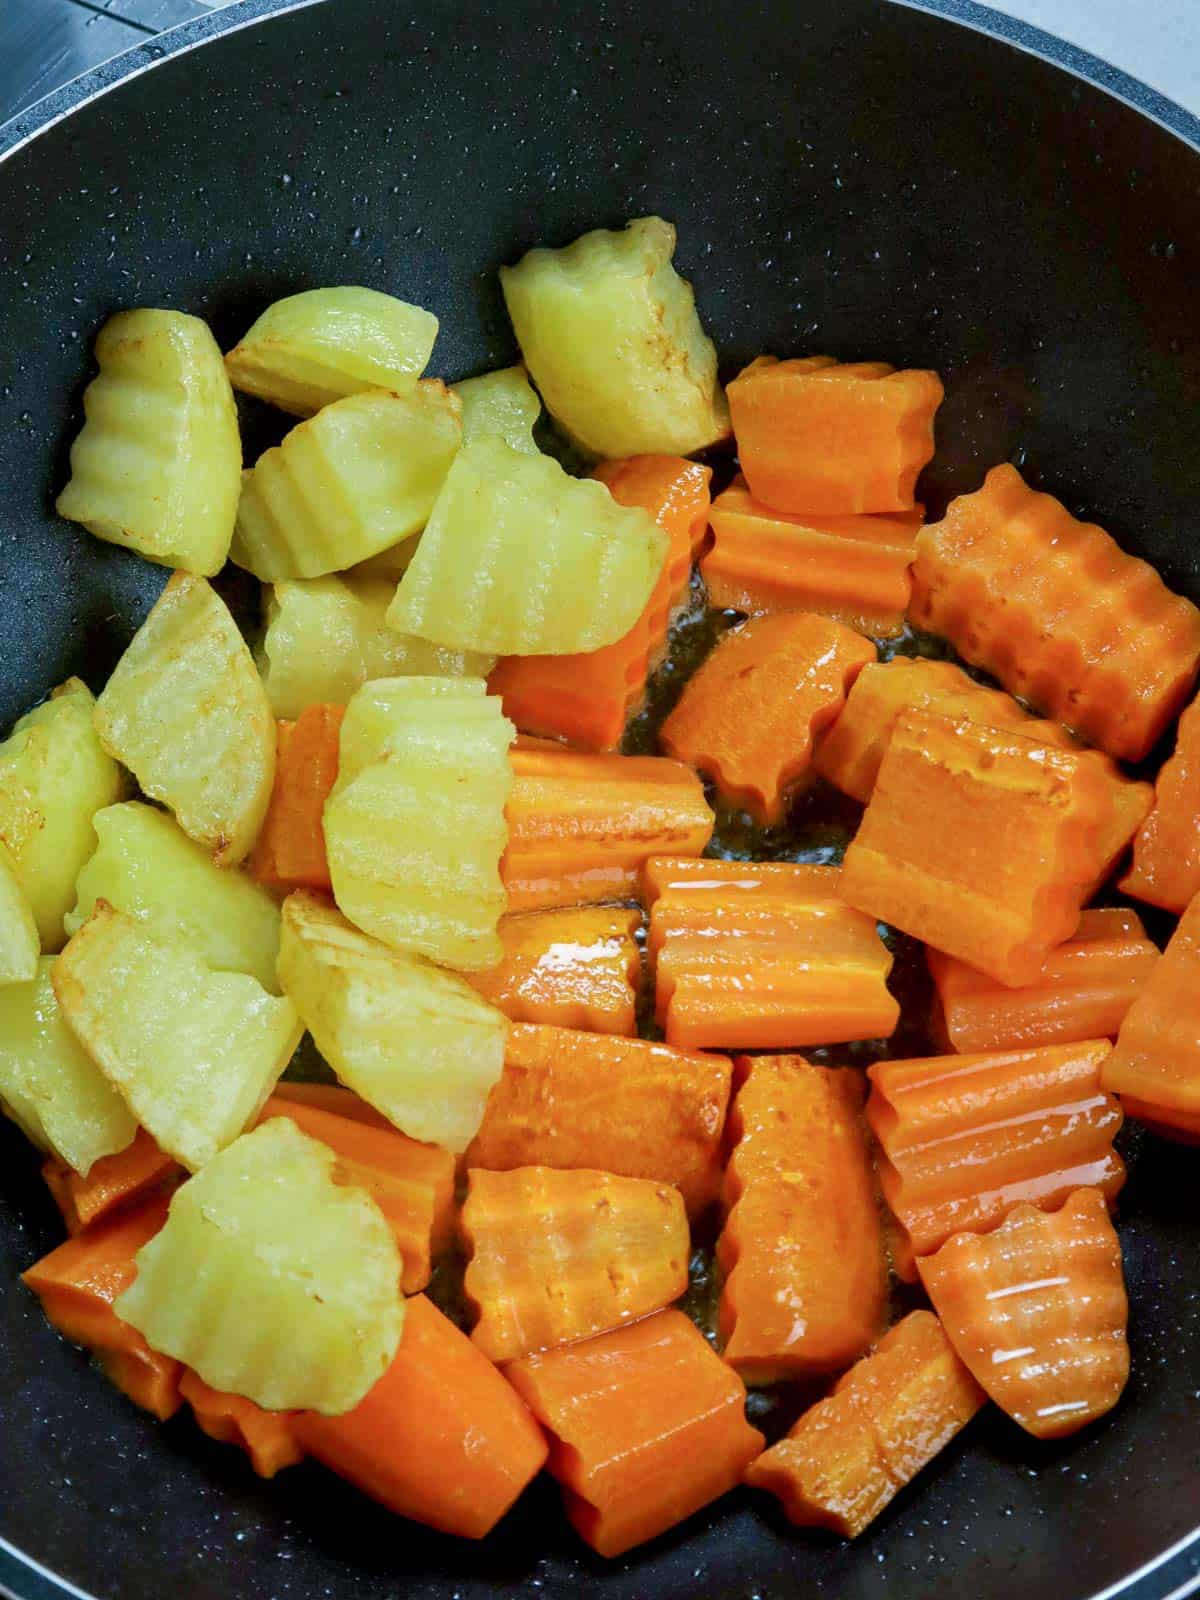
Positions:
{"x": 113, "y": 1181}
{"x": 1166, "y": 853}
{"x": 576, "y": 968}
{"x": 290, "y": 852}
{"x": 333, "y": 1098}
{"x": 1157, "y": 1055}
{"x": 267, "y": 1437}
{"x": 647, "y": 1426}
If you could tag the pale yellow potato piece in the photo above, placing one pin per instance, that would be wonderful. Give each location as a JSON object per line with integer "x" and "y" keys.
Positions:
{"x": 54, "y": 776}
{"x": 146, "y": 865}
{"x": 20, "y": 946}
{"x": 312, "y": 348}
{"x": 157, "y": 465}
{"x": 357, "y": 478}
{"x": 500, "y": 404}
{"x": 610, "y": 335}
{"x": 186, "y": 711}
{"x": 194, "y": 1052}
{"x": 271, "y": 1280}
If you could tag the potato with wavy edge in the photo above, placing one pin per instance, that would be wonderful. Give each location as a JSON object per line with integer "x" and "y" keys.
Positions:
{"x": 157, "y": 465}
{"x": 20, "y": 946}
{"x": 500, "y": 403}
{"x": 310, "y": 349}
{"x": 193, "y": 1052}
{"x": 520, "y": 559}
{"x": 54, "y": 777}
{"x": 610, "y": 335}
{"x": 272, "y": 1281}
{"x": 358, "y": 478}
{"x": 186, "y": 712}
{"x": 147, "y": 866}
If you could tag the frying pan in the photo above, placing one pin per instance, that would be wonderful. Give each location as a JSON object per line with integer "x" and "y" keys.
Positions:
{"x": 850, "y": 176}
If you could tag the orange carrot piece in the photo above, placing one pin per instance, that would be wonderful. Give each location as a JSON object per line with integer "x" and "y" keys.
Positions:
{"x": 802, "y": 1247}
{"x": 627, "y": 1106}
{"x": 647, "y": 1426}
{"x": 267, "y": 1437}
{"x": 1058, "y": 612}
{"x": 854, "y": 569}
{"x": 575, "y": 968}
{"x": 561, "y": 1256}
{"x": 1157, "y": 1055}
{"x": 113, "y": 1181}
{"x": 150, "y": 1380}
{"x": 751, "y": 714}
{"x": 979, "y": 842}
{"x": 290, "y": 853}
{"x": 333, "y": 1098}
{"x": 580, "y": 826}
{"x": 441, "y": 1438}
{"x": 886, "y": 1419}
{"x": 588, "y": 698}
{"x": 1037, "y": 1310}
{"x": 1166, "y": 852}
{"x": 762, "y": 956}
{"x": 1181, "y": 1127}
{"x": 966, "y": 1138}
{"x": 1083, "y": 990}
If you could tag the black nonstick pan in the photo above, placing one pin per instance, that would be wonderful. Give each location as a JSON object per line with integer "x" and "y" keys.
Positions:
{"x": 850, "y": 176}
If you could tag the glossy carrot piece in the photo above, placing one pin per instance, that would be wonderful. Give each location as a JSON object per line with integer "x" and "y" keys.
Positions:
{"x": 1038, "y": 1312}
{"x": 647, "y": 1426}
{"x": 853, "y": 569}
{"x": 832, "y": 439}
{"x": 1083, "y": 991}
{"x": 560, "y": 1256}
{"x": 113, "y": 1182}
{"x": 333, "y": 1098}
{"x": 1157, "y": 1056}
{"x": 1056, "y": 610}
{"x": 1181, "y": 1127}
{"x": 441, "y": 1438}
{"x": 267, "y": 1437}
{"x": 749, "y": 717}
{"x": 886, "y": 1419}
{"x": 290, "y": 852}
{"x": 1166, "y": 852}
{"x": 979, "y": 842}
{"x": 627, "y": 1106}
{"x": 576, "y": 968}
{"x": 802, "y": 1249}
{"x": 587, "y": 699}
{"x": 580, "y": 826}
{"x": 763, "y": 956}
{"x": 150, "y": 1380}
{"x": 966, "y": 1138}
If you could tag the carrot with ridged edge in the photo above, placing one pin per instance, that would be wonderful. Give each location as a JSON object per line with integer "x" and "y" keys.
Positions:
{"x": 885, "y": 1420}
{"x": 647, "y": 1426}
{"x": 749, "y": 717}
{"x": 802, "y": 1248}
{"x": 331, "y": 1097}
{"x": 816, "y": 435}
{"x": 1156, "y": 1061}
{"x": 965, "y": 1138}
{"x": 290, "y": 852}
{"x": 267, "y": 1437}
{"x": 554, "y": 1257}
{"x": 1056, "y": 610}
{"x": 629, "y": 1106}
{"x": 588, "y": 698}
{"x": 1037, "y": 1310}
{"x": 1166, "y": 851}
{"x": 576, "y": 968}
{"x": 441, "y": 1438}
{"x": 113, "y": 1181}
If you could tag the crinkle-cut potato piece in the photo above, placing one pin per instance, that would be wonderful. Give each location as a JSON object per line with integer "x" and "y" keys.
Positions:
{"x": 146, "y": 865}
{"x": 194, "y": 1052}
{"x": 186, "y": 711}
{"x": 503, "y": 404}
{"x": 415, "y": 825}
{"x": 610, "y": 335}
{"x": 518, "y": 559}
{"x": 20, "y": 946}
{"x": 49, "y": 1084}
{"x": 310, "y": 349}
{"x": 413, "y": 1041}
{"x": 326, "y": 637}
{"x": 54, "y": 776}
{"x": 158, "y": 463}
{"x": 271, "y": 1280}
{"x": 357, "y": 478}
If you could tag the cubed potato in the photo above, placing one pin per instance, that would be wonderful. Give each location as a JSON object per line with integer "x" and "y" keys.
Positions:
{"x": 500, "y": 404}
{"x": 20, "y": 946}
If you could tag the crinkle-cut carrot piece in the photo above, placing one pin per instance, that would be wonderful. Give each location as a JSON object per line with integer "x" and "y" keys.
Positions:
{"x": 749, "y": 717}
{"x": 647, "y": 1425}
{"x": 1037, "y": 1310}
{"x": 980, "y": 842}
{"x": 113, "y": 1181}
{"x": 576, "y": 968}
{"x": 1157, "y": 1054}
{"x": 442, "y": 1438}
{"x": 1166, "y": 852}
{"x": 628, "y": 1106}
{"x": 560, "y": 1256}
{"x": 334, "y": 1098}
{"x": 290, "y": 852}
{"x": 580, "y": 826}
{"x": 802, "y": 1248}
{"x": 587, "y": 699}
{"x": 966, "y": 1138}
{"x": 150, "y": 1380}
{"x": 1058, "y": 612}
{"x": 1083, "y": 990}
{"x": 763, "y": 956}
{"x": 854, "y": 569}
{"x": 267, "y": 1437}
{"x": 848, "y": 1456}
